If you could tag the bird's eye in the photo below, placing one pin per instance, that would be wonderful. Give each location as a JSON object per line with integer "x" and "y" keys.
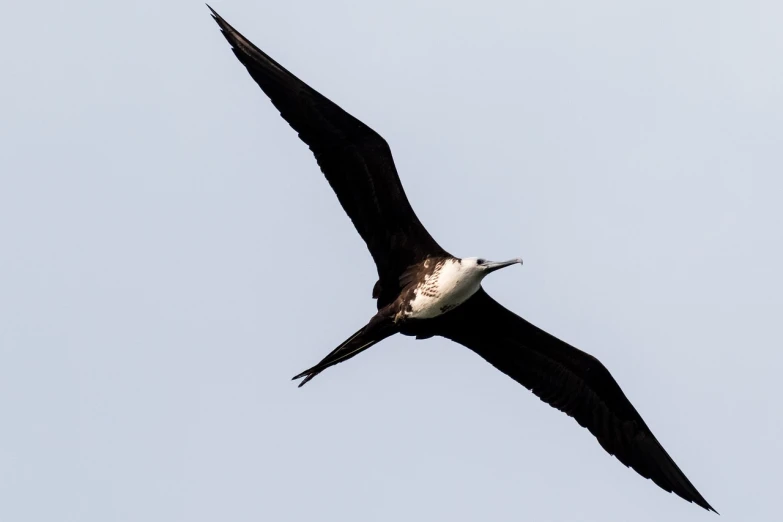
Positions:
{"x": 480, "y": 261}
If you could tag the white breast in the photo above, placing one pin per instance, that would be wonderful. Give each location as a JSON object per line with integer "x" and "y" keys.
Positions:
{"x": 446, "y": 288}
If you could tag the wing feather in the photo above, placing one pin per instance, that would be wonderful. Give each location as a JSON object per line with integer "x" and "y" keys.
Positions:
{"x": 568, "y": 379}
{"x": 356, "y": 161}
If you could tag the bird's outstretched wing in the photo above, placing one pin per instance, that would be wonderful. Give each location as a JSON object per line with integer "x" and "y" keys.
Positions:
{"x": 567, "y": 379}
{"x": 356, "y": 161}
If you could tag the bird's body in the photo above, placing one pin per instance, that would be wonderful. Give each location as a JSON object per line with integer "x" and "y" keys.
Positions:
{"x": 440, "y": 284}
{"x": 424, "y": 291}
{"x": 436, "y": 292}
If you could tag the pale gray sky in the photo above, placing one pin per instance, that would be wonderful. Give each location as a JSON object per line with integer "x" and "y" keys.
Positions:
{"x": 171, "y": 256}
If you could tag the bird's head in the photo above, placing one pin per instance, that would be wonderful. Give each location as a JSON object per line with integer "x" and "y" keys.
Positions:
{"x": 482, "y": 267}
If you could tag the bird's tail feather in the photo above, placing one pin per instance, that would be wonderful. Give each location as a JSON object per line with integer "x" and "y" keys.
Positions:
{"x": 375, "y": 331}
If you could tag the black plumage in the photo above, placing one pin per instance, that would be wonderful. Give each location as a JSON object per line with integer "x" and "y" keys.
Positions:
{"x": 358, "y": 164}
{"x": 356, "y": 161}
{"x": 568, "y": 379}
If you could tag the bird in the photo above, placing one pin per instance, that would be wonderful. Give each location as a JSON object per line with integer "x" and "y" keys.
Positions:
{"x": 423, "y": 291}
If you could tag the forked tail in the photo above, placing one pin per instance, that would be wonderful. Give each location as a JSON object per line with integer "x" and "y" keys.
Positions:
{"x": 378, "y": 329}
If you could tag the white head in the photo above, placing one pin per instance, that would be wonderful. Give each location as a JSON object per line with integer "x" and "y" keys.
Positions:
{"x": 482, "y": 267}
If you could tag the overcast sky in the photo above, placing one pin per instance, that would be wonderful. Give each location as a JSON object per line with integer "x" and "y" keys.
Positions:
{"x": 171, "y": 255}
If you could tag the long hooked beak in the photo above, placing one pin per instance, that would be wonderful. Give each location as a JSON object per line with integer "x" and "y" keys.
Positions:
{"x": 497, "y": 265}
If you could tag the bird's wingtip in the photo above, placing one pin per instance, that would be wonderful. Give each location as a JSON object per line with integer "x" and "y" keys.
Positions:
{"x": 215, "y": 15}
{"x": 702, "y": 503}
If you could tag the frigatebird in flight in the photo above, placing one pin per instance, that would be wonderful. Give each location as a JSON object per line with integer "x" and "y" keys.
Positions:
{"x": 423, "y": 291}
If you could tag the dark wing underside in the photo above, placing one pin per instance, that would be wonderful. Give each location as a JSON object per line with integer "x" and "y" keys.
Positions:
{"x": 356, "y": 161}
{"x": 568, "y": 379}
